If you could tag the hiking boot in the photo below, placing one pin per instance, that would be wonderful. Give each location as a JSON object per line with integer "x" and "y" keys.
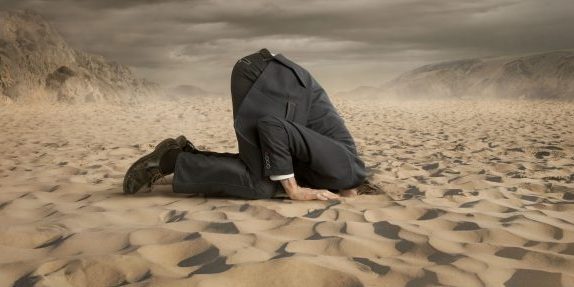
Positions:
{"x": 146, "y": 170}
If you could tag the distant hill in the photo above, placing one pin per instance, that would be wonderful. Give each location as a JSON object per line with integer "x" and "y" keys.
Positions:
{"x": 361, "y": 92}
{"x": 36, "y": 64}
{"x": 183, "y": 91}
{"x": 547, "y": 75}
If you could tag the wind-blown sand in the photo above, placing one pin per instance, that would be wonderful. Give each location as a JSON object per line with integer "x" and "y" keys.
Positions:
{"x": 473, "y": 194}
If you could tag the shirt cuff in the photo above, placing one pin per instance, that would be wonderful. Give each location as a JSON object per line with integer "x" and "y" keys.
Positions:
{"x": 282, "y": 176}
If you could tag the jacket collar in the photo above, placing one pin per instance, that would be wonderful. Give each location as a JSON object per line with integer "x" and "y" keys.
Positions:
{"x": 294, "y": 67}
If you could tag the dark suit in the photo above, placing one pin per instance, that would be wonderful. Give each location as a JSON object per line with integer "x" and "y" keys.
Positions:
{"x": 284, "y": 123}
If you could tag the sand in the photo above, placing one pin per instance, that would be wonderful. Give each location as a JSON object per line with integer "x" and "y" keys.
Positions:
{"x": 471, "y": 194}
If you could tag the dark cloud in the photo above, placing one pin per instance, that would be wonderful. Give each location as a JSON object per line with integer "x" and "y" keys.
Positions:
{"x": 344, "y": 43}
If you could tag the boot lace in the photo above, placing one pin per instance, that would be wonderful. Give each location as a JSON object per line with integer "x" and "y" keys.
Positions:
{"x": 156, "y": 175}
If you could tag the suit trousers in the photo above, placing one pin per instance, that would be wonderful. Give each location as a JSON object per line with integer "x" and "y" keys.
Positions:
{"x": 316, "y": 160}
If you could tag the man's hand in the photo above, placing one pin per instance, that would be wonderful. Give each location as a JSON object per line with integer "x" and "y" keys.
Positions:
{"x": 296, "y": 192}
{"x": 312, "y": 194}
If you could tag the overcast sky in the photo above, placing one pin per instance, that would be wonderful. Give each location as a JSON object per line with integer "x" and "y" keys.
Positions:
{"x": 344, "y": 43}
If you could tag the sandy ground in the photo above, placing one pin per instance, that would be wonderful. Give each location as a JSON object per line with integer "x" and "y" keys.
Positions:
{"x": 472, "y": 194}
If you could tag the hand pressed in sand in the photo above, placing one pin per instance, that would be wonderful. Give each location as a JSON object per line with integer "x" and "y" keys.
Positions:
{"x": 297, "y": 192}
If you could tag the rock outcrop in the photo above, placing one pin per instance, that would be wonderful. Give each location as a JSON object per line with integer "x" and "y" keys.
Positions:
{"x": 36, "y": 64}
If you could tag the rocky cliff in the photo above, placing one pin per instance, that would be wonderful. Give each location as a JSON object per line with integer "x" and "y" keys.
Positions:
{"x": 36, "y": 64}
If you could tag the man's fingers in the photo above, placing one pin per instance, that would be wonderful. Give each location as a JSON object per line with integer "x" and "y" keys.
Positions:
{"x": 311, "y": 194}
{"x": 331, "y": 195}
{"x": 326, "y": 195}
{"x": 321, "y": 196}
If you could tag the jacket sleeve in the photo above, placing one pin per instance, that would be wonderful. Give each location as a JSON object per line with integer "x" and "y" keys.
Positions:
{"x": 324, "y": 118}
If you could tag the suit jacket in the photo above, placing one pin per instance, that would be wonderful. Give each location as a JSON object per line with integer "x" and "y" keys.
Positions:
{"x": 288, "y": 91}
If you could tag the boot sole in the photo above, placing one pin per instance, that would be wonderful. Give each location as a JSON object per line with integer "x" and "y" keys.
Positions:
{"x": 165, "y": 142}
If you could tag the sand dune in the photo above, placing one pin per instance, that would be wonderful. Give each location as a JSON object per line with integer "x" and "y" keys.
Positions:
{"x": 471, "y": 194}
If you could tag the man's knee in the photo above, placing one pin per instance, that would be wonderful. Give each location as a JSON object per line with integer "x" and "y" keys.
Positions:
{"x": 359, "y": 172}
{"x": 264, "y": 189}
